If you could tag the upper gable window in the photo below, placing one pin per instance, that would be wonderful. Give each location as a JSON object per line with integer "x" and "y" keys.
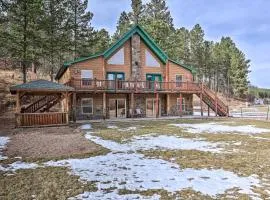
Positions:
{"x": 150, "y": 61}
{"x": 118, "y": 58}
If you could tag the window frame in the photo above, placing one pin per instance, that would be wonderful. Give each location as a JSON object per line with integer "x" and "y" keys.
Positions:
{"x": 87, "y": 81}
{"x": 83, "y": 105}
{"x": 122, "y": 61}
{"x": 184, "y": 105}
{"x": 179, "y": 83}
{"x": 145, "y": 59}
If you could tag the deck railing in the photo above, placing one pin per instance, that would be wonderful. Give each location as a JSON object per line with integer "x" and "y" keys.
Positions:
{"x": 133, "y": 86}
{"x": 41, "y": 119}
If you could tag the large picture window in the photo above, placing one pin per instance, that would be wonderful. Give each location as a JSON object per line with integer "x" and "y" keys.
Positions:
{"x": 87, "y": 77}
{"x": 150, "y": 61}
{"x": 118, "y": 58}
{"x": 87, "y": 105}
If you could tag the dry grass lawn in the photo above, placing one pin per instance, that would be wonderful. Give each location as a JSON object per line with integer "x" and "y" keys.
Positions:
{"x": 42, "y": 184}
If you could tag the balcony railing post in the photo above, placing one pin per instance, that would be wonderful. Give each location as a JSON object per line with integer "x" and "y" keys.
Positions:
{"x": 95, "y": 84}
{"x": 115, "y": 85}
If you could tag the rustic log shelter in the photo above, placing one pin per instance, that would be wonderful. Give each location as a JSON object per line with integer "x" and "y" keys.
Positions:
{"x": 43, "y": 96}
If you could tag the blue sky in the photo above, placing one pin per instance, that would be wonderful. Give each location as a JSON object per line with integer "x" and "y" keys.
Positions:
{"x": 246, "y": 21}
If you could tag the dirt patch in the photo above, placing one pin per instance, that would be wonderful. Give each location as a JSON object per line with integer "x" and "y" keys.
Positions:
{"x": 51, "y": 143}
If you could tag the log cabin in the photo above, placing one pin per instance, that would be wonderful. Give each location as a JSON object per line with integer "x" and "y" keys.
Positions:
{"x": 133, "y": 78}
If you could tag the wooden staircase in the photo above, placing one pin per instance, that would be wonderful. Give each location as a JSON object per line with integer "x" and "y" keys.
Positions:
{"x": 215, "y": 103}
{"x": 43, "y": 104}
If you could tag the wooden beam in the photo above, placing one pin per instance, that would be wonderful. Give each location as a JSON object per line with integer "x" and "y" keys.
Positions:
{"x": 201, "y": 103}
{"x": 66, "y": 107}
{"x": 104, "y": 106}
{"x": 157, "y": 105}
{"x": 168, "y": 104}
{"x": 74, "y": 105}
{"x": 216, "y": 104}
{"x": 18, "y": 103}
{"x": 132, "y": 105}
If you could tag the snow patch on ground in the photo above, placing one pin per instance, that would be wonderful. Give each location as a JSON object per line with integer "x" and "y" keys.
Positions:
{"x": 220, "y": 128}
{"x": 18, "y": 165}
{"x": 157, "y": 142}
{"x": 132, "y": 128}
{"x": 3, "y": 143}
{"x": 173, "y": 142}
{"x": 112, "y": 127}
{"x": 133, "y": 171}
{"x": 113, "y": 195}
{"x": 86, "y": 127}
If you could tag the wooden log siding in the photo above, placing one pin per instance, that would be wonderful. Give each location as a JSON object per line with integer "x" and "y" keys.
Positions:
{"x": 41, "y": 119}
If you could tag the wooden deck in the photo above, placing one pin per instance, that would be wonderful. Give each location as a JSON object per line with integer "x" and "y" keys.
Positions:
{"x": 119, "y": 86}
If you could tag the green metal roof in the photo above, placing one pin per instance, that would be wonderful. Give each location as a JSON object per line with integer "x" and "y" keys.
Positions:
{"x": 40, "y": 85}
{"x": 137, "y": 29}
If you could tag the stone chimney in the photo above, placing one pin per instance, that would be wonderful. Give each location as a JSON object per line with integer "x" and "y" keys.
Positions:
{"x": 136, "y": 66}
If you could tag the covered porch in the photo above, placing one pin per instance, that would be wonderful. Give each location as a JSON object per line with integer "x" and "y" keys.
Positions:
{"x": 41, "y": 103}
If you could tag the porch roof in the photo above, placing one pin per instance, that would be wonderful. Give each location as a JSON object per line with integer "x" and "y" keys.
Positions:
{"x": 40, "y": 86}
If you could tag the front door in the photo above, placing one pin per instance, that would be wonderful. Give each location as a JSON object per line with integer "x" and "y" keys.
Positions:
{"x": 151, "y": 107}
{"x": 151, "y": 78}
{"x": 117, "y": 108}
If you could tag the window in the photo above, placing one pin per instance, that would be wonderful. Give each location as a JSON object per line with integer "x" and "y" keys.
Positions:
{"x": 87, "y": 77}
{"x": 183, "y": 104}
{"x": 150, "y": 61}
{"x": 179, "y": 80}
{"x": 87, "y": 105}
{"x": 118, "y": 58}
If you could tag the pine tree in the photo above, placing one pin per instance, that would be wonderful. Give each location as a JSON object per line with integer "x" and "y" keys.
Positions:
{"x": 159, "y": 24}
{"x": 80, "y": 25}
{"x": 123, "y": 25}
{"x": 57, "y": 36}
{"x": 137, "y": 11}
{"x": 196, "y": 48}
{"x": 23, "y": 19}
{"x": 181, "y": 45}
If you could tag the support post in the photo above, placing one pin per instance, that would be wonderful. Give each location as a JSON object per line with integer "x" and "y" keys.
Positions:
{"x": 66, "y": 108}
{"x": 168, "y": 104}
{"x": 132, "y": 105}
{"x": 216, "y": 105}
{"x": 157, "y": 105}
{"x": 104, "y": 105}
{"x": 18, "y": 103}
{"x": 201, "y": 103}
{"x": 74, "y": 101}
{"x": 180, "y": 105}
{"x": 18, "y": 110}
{"x": 208, "y": 111}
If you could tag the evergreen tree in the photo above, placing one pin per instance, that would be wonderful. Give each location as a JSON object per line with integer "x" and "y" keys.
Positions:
{"x": 123, "y": 25}
{"x": 23, "y": 34}
{"x": 137, "y": 11}
{"x": 56, "y": 34}
{"x": 181, "y": 45}
{"x": 196, "y": 48}
{"x": 80, "y": 19}
{"x": 159, "y": 24}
